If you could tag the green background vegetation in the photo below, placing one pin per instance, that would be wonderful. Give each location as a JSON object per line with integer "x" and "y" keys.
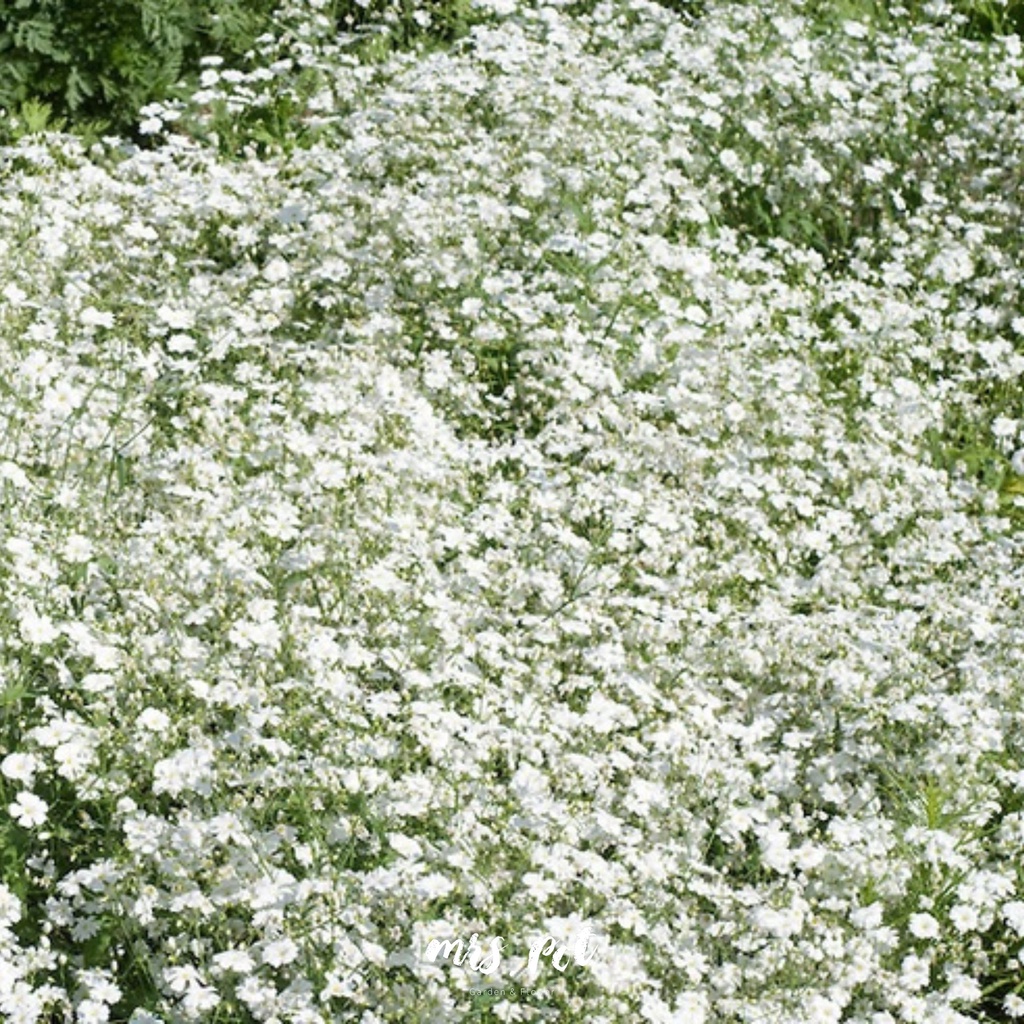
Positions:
{"x": 91, "y": 65}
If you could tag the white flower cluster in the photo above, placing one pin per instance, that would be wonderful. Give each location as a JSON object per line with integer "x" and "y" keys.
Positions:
{"x": 571, "y": 476}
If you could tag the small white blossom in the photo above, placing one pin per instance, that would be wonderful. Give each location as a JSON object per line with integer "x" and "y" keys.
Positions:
{"x": 28, "y": 810}
{"x": 20, "y": 767}
{"x": 281, "y": 952}
{"x": 924, "y": 926}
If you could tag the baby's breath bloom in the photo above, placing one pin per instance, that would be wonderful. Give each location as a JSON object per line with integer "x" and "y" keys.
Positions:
{"x": 20, "y": 767}
{"x": 280, "y": 952}
{"x": 28, "y": 810}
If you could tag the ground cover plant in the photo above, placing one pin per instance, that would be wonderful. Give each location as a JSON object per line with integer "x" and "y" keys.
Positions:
{"x": 567, "y": 480}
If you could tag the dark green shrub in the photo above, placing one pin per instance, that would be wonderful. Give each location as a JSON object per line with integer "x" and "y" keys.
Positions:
{"x": 99, "y": 62}
{"x": 102, "y": 60}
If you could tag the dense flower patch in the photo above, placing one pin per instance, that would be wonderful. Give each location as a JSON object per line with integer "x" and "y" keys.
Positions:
{"x": 568, "y": 480}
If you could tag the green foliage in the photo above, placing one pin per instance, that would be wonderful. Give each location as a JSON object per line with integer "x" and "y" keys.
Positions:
{"x": 688, "y": 9}
{"x": 976, "y": 19}
{"x": 987, "y": 18}
{"x": 102, "y": 60}
{"x": 92, "y": 65}
{"x": 408, "y": 21}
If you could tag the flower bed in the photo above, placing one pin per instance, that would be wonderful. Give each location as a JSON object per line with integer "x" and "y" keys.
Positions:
{"x": 568, "y": 480}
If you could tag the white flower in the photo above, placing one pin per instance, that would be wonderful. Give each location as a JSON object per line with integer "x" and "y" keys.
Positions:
{"x": 78, "y": 549}
{"x": 10, "y": 908}
{"x": 405, "y": 846}
{"x": 143, "y": 1017}
{"x": 180, "y": 979}
{"x": 914, "y": 972}
{"x": 92, "y": 317}
{"x": 869, "y": 917}
{"x": 730, "y": 160}
{"x": 188, "y": 769}
{"x": 14, "y": 474}
{"x": 180, "y": 343}
{"x": 28, "y": 810}
{"x": 1014, "y": 914}
{"x": 338, "y": 987}
{"x": 1003, "y": 427}
{"x": 822, "y": 1010}
{"x": 13, "y": 294}
{"x": 433, "y": 886}
{"x": 963, "y": 989}
{"x": 605, "y": 716}
{"x": 964, "y": 917}
{"x": 1014, "y": 1005}
{"x": 20, "y": 767}
{"x": 62, "y": 398}
{"x": 97, "y": 682}
{"x": 281, "y": 952}
{"x": 277, "y": 270}
{"x": 235, "y": 960}
{"x": 72, "y": 758}
{"x": 91, "y": 1012}
{"x": 175, "y": 317}
{"x": 657, "y": 1011}
{"x": 154, "y": 720}
{"x": 37, "y": 629}
{"x": 199, "y": 1000}
{"x": 101, "y": 988}
{"x": 247, "y": 633}
{"x": 924, "y": 926}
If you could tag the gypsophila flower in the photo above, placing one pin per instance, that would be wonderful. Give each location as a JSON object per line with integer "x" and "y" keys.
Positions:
{"x": 964, "y": 917}
{"x": 235, "y": 960}
{"x": 37, "y": 629}
{"x": 10, "y": 907}
{"x": 78, "y": 549}
{"x": 28, "y": 810}
{"x": 154, "y": 720}
{"x": 90, "y": 1012}
{"x": 570, "y": 468}
{"x": 914, "y": 973}
{"x": 1005, "y": 428}
{"x": 924, "y": 926}
{"x": 20, "y": 767}
{"x": 281, "y": 952}
{"x": 1014, "y": 1005}
{"x": 1013, "y": 912}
